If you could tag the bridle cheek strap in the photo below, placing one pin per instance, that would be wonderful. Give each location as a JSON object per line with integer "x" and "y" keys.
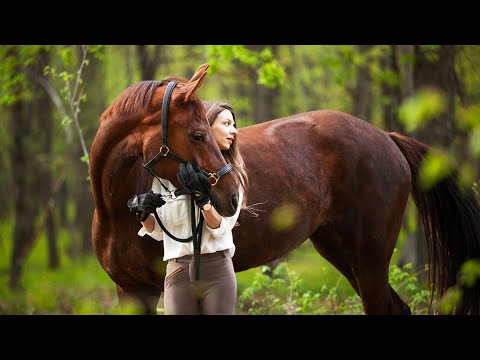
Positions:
{"x": 164, "y": 150}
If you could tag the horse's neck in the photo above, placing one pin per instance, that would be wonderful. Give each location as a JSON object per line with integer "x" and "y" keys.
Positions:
{"x": 114, "y": 167}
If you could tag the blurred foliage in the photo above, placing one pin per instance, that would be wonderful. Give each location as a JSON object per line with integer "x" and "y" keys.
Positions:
{"x": 436, "y": 166}
{"x": 417, "y": 110}
{"x": 469, "y": 274}
{"x": 16, "y": 59}
{"x": 270, "y": 73}
{"x": 284, "y": 217}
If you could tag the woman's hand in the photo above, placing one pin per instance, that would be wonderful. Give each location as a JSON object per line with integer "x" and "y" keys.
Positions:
{"x": 145, "y": 204}
{"x": 195, "y": 182}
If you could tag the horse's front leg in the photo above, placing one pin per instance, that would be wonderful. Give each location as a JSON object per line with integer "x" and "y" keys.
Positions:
{"x": 145, "y": 297}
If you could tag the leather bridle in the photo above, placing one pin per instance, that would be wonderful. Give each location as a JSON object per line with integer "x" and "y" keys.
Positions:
{"x": 165, "y": 150}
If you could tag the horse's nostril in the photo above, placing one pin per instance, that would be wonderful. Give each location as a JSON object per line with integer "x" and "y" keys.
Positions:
{"x": 234, "y": 200}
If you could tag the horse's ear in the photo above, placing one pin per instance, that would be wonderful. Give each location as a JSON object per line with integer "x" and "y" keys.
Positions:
{"x": 195, "y": 82}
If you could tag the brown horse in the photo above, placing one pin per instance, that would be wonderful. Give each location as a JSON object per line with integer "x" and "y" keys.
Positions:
{"x": 130, "y": 134}
{"x": 345, "y": 184}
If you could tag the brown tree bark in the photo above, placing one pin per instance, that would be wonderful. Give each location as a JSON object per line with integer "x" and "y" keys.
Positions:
{"x": 241, "y": 91}
{"x": 437, "y": 72}
{"x": 45, "y": 118}
{"x": 21, "y": 159}
{"x": 392, "y": 92}
{"x": 263, "y": 97}
{"x": 148, "y": 60}
{"x": 298, "y": 89}
{"x": 362, "y": 94}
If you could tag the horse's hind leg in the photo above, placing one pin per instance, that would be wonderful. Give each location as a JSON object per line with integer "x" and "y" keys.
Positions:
{"x": 372, "y": 279}
{"x": 400, "y": 308}
{"x": 146, "y": 297}
{"x": 326, "y": 242}
{"x": 371, "y": 272}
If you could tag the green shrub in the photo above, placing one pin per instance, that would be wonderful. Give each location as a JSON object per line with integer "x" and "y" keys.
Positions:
{"x": 284, "y": 293}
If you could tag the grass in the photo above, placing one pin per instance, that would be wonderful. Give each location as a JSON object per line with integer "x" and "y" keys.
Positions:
{"x": 314, "y": 271}
{"x": 80, "y": 286}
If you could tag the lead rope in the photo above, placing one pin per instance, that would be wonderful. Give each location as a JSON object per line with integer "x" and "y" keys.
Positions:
{"x": 197, "y": 240}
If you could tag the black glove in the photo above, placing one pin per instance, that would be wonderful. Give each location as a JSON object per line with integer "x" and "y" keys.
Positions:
{"x": 145, "y": 204}
{"x": 196, "y": 182}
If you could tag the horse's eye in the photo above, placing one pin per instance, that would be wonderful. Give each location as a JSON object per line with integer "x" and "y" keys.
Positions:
{"x": 197, "y": 137}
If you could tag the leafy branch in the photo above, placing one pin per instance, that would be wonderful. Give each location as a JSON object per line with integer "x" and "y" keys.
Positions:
{"x": 73, "y": 92}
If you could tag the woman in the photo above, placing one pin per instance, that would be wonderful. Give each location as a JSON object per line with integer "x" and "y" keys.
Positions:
{"x": 216, "y": 290}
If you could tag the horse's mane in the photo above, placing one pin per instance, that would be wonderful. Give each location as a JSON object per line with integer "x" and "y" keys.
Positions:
{"x": 136, "y": 98}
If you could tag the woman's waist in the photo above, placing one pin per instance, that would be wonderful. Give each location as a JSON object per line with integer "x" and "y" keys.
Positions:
{"x": 204, "y": 257}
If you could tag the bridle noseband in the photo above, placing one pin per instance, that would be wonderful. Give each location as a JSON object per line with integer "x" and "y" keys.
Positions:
{"x": 164, "y": 149}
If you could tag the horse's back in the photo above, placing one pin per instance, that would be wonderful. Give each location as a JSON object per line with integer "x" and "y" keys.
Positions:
{"x": 305, "y": 143}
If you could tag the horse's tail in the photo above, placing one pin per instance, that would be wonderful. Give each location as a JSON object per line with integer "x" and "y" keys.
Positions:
{"x": 451, "y": 220}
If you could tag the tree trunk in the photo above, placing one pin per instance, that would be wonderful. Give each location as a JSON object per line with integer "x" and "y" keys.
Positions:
{"x": 440, "y": 74}
{"x": 130, "y": 63}
{"x": 23, "y": 216}
{"x": 301, "y": 92}
{"x": 45, "y": 117}
{"x": 263, "y": 97}
{"x": 241, "y": 92}
{"x": 362, "y": 94}
{"x": 407, "y": 81}
{"x": 148, "y": 61}
{"x": 392, "y": 92}
{"x": 83, "y": 200}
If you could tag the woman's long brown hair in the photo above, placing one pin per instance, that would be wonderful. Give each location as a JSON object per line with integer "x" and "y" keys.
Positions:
{"x": 232, "y": 155}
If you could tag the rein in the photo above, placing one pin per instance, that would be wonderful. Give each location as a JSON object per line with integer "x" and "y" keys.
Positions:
{"x": 213, "y": 177}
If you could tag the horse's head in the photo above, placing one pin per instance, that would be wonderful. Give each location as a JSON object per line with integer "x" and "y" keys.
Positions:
{"x": 184, "y": 136}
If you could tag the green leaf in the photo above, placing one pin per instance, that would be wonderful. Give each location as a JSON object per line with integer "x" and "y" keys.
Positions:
{"x": 468, "y": 118}
{"x": 66, "y": 55}
{"x": 417, "y": 110}
{"x": 436, "y": 166}
{"x": 66, "y": 121}
{"x": 449, "y": 300}
{"x": 474, "y": 142}
{"x": 271, "y": 75}
{"x": 85, "y": 158}
{"x": 470, "y": 272}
